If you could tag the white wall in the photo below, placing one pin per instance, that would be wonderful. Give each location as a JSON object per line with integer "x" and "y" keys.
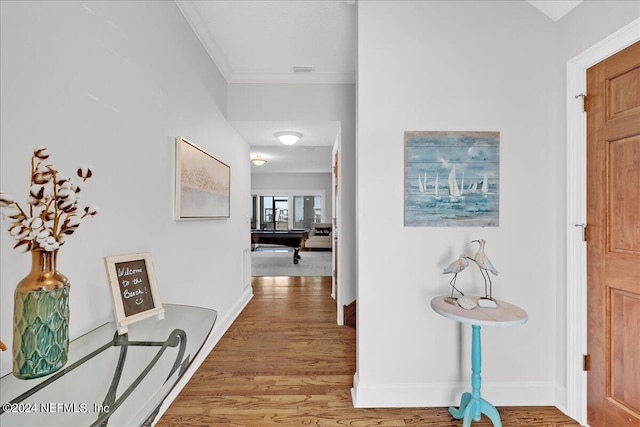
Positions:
{"x": 111, "y": 84}
{"x": 486, "y": 66}
{"x": 458, "y": 65}
{"x": 591, "y": 22}
{"x": 291, "y": 102}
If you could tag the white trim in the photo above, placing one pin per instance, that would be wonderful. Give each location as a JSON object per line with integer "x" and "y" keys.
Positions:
{"x": 194, "y": 19}
{"x": 576, "y": 393}
{"x": 448, "y": 394}
{"x": 561, "y": 398}
{"x": 216, "y": 334}
{"x": 293, "y": 78}
{"x": 246, "y": 268}
{"x": 335, "y": 220}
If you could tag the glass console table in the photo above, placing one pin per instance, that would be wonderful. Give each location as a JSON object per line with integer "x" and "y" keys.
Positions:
{"x": 111, "y": 379}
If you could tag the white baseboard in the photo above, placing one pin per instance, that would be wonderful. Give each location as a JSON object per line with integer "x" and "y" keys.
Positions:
{"x": 216, "y": 334}
{"x": 448, "y": 394}
{"x": 561, "y": 399}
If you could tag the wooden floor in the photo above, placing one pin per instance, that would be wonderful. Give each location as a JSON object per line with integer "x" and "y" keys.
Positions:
{"x": 285, "y": 362}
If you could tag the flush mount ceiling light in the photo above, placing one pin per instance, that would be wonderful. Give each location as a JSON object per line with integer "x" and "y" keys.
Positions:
{"x": 258, "y": 160}
{"x": 288, "y": 137}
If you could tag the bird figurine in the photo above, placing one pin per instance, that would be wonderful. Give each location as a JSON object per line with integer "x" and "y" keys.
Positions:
{"x": 485, "y": 266}
{"x": 456, "y": 267}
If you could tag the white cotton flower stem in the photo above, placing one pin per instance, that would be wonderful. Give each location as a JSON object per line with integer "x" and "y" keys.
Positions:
{"x": 20, "y": 208}
{"x": 56, "y": 217}
{"x": 33, "y": 171}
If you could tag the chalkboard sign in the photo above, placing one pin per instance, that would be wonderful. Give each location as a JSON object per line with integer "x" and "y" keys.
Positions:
{"x": 133, "y": 288}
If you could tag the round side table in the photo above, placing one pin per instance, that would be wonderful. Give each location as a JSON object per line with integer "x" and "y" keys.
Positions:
{"x": 472, "y": 405}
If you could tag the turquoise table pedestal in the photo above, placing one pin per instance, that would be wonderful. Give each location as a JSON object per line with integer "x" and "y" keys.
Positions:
{"x": 472, "y": 405}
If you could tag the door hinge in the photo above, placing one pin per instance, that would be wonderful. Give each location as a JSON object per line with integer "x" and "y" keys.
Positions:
{"x": 586, "y": 362}
{"x": 584, "y": 100}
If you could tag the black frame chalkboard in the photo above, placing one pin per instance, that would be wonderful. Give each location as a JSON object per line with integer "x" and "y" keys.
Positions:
{"x": 133, "y": 288}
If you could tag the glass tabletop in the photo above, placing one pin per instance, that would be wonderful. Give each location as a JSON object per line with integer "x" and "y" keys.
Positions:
{"x": 120, "y": 379}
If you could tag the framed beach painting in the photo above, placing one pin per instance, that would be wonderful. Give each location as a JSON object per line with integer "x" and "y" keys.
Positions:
{"x": 202, "y": 183}
{"x": 451, "y": 179}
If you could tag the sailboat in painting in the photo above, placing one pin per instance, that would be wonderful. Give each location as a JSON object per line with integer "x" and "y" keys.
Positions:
{"x": 452, "y": 184}
{"x": 446, "y": 178}
{"x": 422, "y": 183}
{"x": 485, "y": 185}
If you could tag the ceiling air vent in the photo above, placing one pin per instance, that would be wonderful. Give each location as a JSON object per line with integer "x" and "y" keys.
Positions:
{"x": 301, "y": 69}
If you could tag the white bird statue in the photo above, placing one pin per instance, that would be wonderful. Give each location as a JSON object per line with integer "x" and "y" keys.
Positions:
{"x": 485, "y": 266}
{"x": 456, "y": 267}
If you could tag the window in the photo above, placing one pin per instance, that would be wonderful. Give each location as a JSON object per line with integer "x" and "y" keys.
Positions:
{"x": 284, "y": 212}
{"x": 306, "y": 211}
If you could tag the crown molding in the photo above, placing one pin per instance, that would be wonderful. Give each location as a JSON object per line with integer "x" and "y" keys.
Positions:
{"x": 293, "y": 78}
{"x": 194, "y": 19}
{"x": 189, "y": 10}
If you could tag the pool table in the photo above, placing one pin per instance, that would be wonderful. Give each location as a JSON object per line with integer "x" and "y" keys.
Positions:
{"x": 293, "y": 238}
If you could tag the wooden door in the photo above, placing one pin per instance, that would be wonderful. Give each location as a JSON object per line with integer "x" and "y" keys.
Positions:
{"x": 613, "y": 243}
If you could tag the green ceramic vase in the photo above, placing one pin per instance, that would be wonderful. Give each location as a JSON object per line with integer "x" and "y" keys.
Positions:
{"x": 41, "y": 319}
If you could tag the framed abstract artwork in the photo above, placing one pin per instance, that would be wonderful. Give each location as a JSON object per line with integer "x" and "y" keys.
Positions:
{"x": 202, "y": 183}
{"x": 451, "y": 179}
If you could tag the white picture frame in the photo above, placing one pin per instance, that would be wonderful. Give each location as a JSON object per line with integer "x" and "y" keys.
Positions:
{"x": 202, "y": 184}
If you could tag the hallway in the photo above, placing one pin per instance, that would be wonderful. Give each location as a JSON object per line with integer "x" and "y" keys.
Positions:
{"x": 285, "y": 362}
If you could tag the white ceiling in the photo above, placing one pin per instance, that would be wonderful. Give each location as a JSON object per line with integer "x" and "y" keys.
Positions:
{"x": 311, "y": 154}
{"x": 555, "y": 9}
{"x": 258, "y": 41}
{"x": 261, "y": 41}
